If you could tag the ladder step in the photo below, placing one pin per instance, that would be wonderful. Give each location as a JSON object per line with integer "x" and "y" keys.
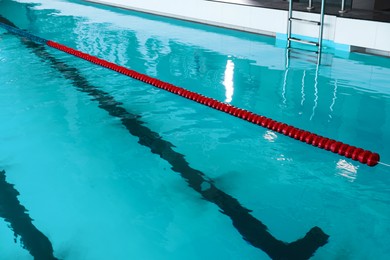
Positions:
{"x": 299, "y": 51}
{"x": 304, "y": 20}
{"x": 303, "y": 41}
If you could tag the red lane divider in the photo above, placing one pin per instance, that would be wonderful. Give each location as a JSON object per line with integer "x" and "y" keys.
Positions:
{"x": 355, "y": 153}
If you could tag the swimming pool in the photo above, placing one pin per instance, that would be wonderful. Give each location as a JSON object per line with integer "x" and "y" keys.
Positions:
{"x": 99, "y": 166}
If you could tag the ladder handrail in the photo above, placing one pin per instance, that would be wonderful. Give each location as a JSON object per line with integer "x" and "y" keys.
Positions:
{"x": 321, "y": 32}
{"x": 342, "y": 10}
{"x": 310, "y": 7}
{"x": 320, "y": 24}
{"x": 290, "y": 8}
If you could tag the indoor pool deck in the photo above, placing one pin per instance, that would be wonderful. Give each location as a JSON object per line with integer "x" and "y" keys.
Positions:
{"x": 356, "y": 29}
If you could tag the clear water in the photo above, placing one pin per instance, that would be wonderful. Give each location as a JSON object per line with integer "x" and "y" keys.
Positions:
{"x": 95, "y": 192}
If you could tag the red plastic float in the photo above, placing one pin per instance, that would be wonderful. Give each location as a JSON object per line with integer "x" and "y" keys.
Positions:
{"x": 357, "y": 154}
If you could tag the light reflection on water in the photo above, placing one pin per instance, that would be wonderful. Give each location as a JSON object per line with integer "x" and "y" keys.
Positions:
{"x": 347, "y": 170}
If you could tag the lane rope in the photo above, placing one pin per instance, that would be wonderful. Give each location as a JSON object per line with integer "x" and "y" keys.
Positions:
{"x": 384, "y": 164}
{"x": 343, "y": 149}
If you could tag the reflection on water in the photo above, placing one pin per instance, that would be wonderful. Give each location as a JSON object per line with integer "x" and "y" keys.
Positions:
{"x": 347, "y": 170}
{"x": 270, "y": 136}
{"x": 228, "y": 81}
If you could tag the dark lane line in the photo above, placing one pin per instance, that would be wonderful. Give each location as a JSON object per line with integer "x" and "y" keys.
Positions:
{"x": 252, "y": 230}
{"x": 16, "y": 215}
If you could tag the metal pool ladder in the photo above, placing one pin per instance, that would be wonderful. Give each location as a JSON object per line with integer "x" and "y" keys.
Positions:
{"x": 319, "y": 23}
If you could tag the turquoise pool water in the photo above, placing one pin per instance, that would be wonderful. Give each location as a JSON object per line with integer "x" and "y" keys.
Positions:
{"x": 95, "y": 165}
